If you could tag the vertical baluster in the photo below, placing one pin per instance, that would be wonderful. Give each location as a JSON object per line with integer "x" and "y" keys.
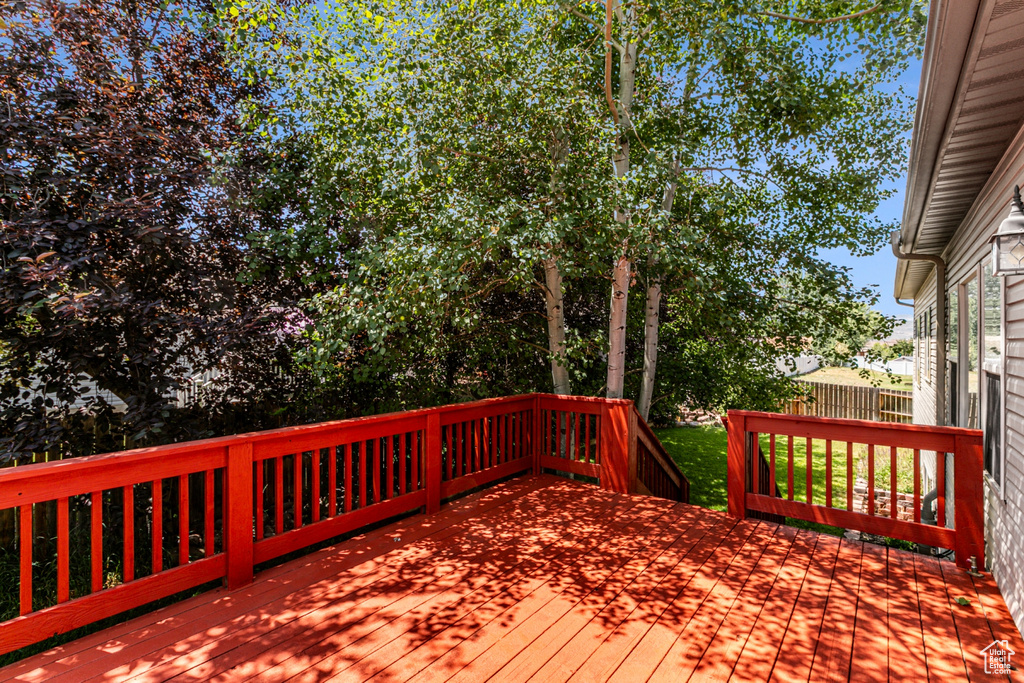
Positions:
{"x": 828, "y": 472}
{"x": 366, "y": 475}
{"x": 789, "y": 471}
{"x": 414, "y": 463}
{"x": 332, "y": 481}
{"x": 871, "y": 478}
{"x": 809, "y": 456}
{"x": 314, "y": 486}
{"x": 183, "y": 525}
{"x": 496, "y": 440}
{"x": 158, "y": 526}
{"x": 576, "y": 436}
{"x": 208, "y": 518}
{"x": 129, "y": 532}
{"x": 771, "y": 465}
{"x": 850, "y": 481}
{"x": 447, "y": 457}
{"x": 223, "y": 508}
{"x": 258, "y": 499}
{"x": 403, "y": 453}
{"x": 297, "y": 490}
{"x": 487, "y": 438}
{"x": 515, "y": 435}
{"x": 586, "y": 437}
{"x": 917, "y": 485}
{"x": 478, "y": 452}
{"x": 753, "y": 464}
{"x": 378, "y": 466}
{"x": 460, "y": 449}
{"x": 565, "y": 427}
{"x": 524, "y": 430}
{"x": 545, "y": 438}
{"x": 63, "y": 552}
{"x": 940, "y": 485}
{"x": 279, "y": 494}
{"x": 26, "y": 537}
{"x": 96, "y": 540}
{"x": 892, "y": 482}
{"x": 347, "y": 462}
{"x": 509, "y": 425}
{"x": 392, "y": 447}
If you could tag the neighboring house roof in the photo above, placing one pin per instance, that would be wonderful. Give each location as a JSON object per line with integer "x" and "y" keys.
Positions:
{"x": 970, "y": 106}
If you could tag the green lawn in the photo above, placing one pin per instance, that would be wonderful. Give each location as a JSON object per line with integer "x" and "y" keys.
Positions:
{"x": 700, "y": 453}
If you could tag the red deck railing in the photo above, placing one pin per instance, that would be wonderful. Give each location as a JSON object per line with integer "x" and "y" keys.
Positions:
{"x": 790, "y": 440}
{"x": 196, "y": 512}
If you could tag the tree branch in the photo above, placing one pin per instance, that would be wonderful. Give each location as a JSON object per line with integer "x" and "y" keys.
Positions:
{"x": 576, "y": 13}
{"x": 830, "y": 20}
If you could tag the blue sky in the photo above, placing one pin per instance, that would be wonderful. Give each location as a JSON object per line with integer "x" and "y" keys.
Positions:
{"x": 879, "y": 270}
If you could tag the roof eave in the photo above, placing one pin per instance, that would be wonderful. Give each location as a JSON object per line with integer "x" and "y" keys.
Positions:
{"x": 942, "y": 83}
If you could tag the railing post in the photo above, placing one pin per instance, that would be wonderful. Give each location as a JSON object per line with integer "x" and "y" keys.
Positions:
{"x": 737, "y": 465}
{"x": 618, "y": 457}
{"x": 238, "y": 517}
{"x": 432, "y": 463}
{"x": 968, "y": 500}
{"x": 535, "y": 436}
{"x": 632, "y": 439}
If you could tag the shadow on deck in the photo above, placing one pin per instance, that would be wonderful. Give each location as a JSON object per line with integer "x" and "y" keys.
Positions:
{"x": 548, "y": 578}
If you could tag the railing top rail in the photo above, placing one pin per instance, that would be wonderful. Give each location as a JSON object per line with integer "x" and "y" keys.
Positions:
{"x": 74, "y": 466}
{"x": 861, "y": 424}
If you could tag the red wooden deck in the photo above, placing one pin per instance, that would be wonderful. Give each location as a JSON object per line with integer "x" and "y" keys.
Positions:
{"x": 549, "y": 578}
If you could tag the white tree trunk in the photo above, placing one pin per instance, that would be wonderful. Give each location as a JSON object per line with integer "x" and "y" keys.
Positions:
{"x": 623, "y": 266}
{"x": 651, "y": 319}
{"x": 652, "y": 312}
{"x": 617, "y": 328}
{"x": 555, "y": 310}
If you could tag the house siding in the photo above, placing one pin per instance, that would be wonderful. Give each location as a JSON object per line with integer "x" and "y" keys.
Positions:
{"x": 969, "y": 247}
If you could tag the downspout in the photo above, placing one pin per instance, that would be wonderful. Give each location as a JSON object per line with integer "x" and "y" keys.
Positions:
{"x": 940, "y": 320}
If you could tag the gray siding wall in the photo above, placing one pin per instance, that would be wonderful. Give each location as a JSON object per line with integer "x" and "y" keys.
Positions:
{"x": 1004, "y": 509}
{"x": 924, "y": 382}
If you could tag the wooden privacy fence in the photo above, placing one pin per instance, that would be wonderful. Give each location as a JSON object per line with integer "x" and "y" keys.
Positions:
{"x": 853, "y": 403}
{"x": 817, "y": 502}
{"x": 191, "y": 513}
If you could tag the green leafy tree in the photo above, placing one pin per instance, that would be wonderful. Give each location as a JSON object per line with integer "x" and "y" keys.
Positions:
{"x": 532, "y": 150}
{"x": 123, "y": 236}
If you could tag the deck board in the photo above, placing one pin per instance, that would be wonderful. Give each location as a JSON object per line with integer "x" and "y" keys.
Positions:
{"x": 542, "y": 578}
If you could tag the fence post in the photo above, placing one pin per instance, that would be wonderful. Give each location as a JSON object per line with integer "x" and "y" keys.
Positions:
{"x": 535, "y": 436}
{"x": 617, "y": 455}
{"x": 238, "y": 517}
{"x": 737, "y": 465}
{"x": 968, "y": 500}
{"x": 432, "y": 476}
